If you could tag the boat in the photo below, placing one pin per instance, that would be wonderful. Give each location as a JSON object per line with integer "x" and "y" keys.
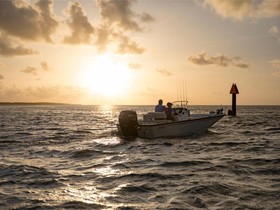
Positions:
{"x": 155, "y": 125}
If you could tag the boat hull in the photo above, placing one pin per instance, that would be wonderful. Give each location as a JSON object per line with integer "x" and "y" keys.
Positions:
{"x": 177, "y": 129}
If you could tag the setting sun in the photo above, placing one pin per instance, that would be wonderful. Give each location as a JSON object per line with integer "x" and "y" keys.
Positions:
{"x": 105, "y": 76}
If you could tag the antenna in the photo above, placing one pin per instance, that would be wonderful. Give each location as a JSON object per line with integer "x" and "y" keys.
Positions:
{"x": 182, "y": 95}
{"x": 177, "y": 90}
{"x": 186, "y": 90}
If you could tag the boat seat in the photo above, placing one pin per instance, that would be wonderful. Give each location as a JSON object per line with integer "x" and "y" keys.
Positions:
{"x": 152, "y": 116}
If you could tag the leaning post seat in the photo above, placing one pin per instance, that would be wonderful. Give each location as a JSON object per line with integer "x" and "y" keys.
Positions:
{"x": 152, "y": 116}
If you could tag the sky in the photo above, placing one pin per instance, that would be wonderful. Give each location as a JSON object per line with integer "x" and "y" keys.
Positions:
{"x": 134, "y": 52}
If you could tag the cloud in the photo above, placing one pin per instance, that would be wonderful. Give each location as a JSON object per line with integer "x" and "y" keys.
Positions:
{"x": 145, "y": 17}
{"x": 275, "y": 33}
{"x": 1, "y": 77}
{"x": 33, "y": 70}
{"x": 275, "y": 63}
{"x": 30, "y": 70}
{"x": 117, "y": 18}
{"x": 81, "y": 28}
{"x": 103, "y": 38}
{"x": 241, "y": 9}
{"x": 128, "y": 46}
{"x": 164, "y": 72}
{"x": 49, "y": 23}
{"x": 119, "y": 13}
{"x": 220, "y": 60}
{"x": 8, "y": 49}
{"x": 26, "y": 21}
{"x": 35, "y": 21}
{"x": 45, "y": 66}
{"x": 62, "y": 94}
{"x": 134, "y": 65}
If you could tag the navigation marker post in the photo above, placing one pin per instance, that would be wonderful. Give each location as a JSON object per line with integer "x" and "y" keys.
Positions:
{"x": 233, "y": 92}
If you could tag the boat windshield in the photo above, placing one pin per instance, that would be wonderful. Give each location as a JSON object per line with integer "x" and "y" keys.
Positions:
{"x": 180, "y": 104}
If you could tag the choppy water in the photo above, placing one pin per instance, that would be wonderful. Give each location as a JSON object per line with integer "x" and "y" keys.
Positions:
{"x": 70, "y": 157}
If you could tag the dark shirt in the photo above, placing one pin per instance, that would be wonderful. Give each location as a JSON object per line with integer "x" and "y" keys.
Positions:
{"x": 168, "y": 112}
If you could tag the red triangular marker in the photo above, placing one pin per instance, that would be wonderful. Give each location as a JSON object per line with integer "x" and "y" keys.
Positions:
{"x": 234, "y": 89}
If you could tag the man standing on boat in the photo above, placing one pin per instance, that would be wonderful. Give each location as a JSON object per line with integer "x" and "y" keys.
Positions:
{"x": 159, "y": 107}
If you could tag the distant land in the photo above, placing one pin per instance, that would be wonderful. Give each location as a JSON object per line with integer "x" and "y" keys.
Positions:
{"x": 30, "y": 103}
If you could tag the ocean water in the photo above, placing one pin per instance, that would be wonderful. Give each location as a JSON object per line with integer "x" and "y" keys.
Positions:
{"x": 71, "y": 157}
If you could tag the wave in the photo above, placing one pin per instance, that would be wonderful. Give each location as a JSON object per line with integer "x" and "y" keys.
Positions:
{"x": 183, "y": 163}
{"x": 79, "y": 205}
{"x": 130, "y": 188}
{"x": 33, "y": 177}
{"x": 71, "y": 157}
{"x": 87, "y": 153}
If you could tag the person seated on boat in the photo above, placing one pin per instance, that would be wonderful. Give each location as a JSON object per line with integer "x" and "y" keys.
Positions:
{"x": 159, "y": 107}
{"x": 168, "y": 111}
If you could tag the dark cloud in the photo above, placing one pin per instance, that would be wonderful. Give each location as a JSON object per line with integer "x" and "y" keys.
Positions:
{"x": 30, "y": 70}
{"x": 45, "y": 66}
{"x": 81, "y": 28}
{"x": 128, "y": 46}
{"x": 164, "y": 72}
{"x": 35, "y": 21}
{"x": 8, "y": 49}
{"x": 29, "y": 22}
{"x": 119, "y": 13}
{"x": 49, "y": 23}
{"x": 221, "y": 60}
{"x": 1, "y": 77}
{"x": 145, "y": 17}
{"x": 118, "y": 17}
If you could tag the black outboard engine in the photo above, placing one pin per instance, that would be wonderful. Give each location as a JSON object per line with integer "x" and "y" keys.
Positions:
{"x": 128, "y": 123}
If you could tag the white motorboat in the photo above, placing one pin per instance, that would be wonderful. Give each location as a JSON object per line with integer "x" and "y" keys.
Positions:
{"x": 155, "y": 124}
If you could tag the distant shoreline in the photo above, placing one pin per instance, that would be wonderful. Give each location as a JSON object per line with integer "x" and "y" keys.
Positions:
{"x": 30, "y": 103}
{"x": 61, "y": 104}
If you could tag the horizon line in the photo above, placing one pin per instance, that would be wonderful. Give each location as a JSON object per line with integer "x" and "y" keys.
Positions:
{"x": 74, "y": 104}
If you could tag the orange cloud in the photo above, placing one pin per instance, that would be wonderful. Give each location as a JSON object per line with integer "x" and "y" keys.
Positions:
{"x": 128, "y": 46}
{"x": 240, "y": 10}
{"x": 8, "y": 49}
{"x": 164, "y": 72}
{"x": 30, "y": 70}
{"x": 220, "y": 60}
{"x": 45, "y": 66}
{"x": 134, "y": 65}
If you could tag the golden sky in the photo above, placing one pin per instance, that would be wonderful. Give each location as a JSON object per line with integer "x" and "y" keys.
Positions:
{"x": 135, "y": 52}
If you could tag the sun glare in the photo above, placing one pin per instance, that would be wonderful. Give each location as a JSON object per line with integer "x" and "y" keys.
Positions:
{"x": 105, "y": 76}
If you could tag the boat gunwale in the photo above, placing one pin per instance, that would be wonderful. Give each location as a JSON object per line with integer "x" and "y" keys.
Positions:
{"x": 183, "y": 121}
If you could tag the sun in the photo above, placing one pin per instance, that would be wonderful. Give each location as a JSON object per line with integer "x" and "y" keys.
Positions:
{"x": 105, "y": 75}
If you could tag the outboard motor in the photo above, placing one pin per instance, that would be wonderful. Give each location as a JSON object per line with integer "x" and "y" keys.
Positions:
{"x": 128, "y": 123}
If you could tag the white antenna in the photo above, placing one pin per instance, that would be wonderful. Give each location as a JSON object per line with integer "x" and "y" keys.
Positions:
{"x": 185, "y": 88}
{"x": 177, "y": 90}
{"x": 182, "y": 95}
